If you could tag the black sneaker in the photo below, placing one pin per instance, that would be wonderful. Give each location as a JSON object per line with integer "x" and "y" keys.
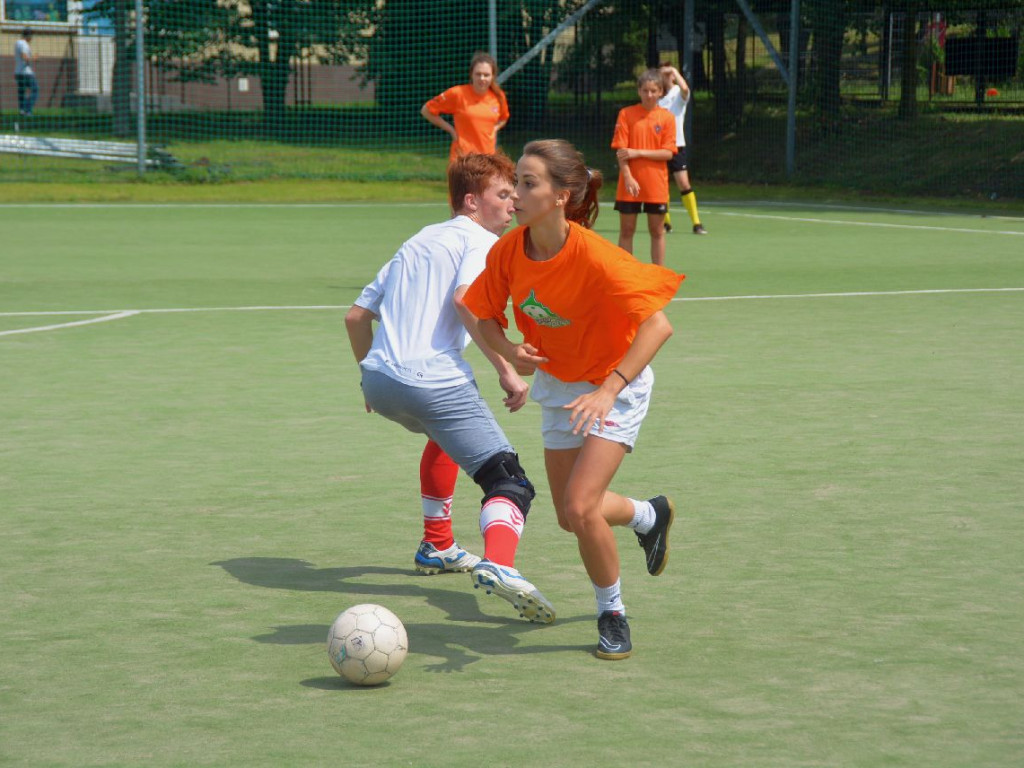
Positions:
{"x": 613, "y": 636}
{"x": 699, "y": 230}
{"x": 668, "y": 227}
{"x": 655, "y": 542}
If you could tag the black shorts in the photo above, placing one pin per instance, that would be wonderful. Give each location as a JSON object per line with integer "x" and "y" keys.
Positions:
{"x": 678, "y": 161}
{"x": 625, "y": 206}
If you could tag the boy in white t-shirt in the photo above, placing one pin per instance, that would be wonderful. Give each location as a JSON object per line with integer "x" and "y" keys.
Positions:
{"x": 24, "y": 74}
{"x": 675, "y": 100}
{"x": 413, "y": 373}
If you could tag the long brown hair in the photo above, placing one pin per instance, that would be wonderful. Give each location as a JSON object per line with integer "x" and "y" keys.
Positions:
{"x": 567, "y": 169}
{"x": 482, "y": 57}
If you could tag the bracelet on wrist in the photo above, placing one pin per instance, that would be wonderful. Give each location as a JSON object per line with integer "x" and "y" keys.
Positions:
{"x": 620, "y": 375}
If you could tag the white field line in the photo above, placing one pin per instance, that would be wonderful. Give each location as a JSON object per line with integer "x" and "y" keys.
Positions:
{"x": 90, "y": 321}
{"x": 854, "y": 208}
{"x": 170, "y": 310}
{"x": 850, "y": 294}
{"x": 438, "y": 204}
{"x": 883, "y": 225}
{"x": 117, "y": 314}
{"x": 710, "y": 204}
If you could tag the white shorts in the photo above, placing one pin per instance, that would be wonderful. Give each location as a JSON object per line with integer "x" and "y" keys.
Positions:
{"x": 622, "y": 424}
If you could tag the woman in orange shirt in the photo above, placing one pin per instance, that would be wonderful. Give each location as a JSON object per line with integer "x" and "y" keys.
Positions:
{"x": 479, "y": 110}
{"x": 591, "y": 318}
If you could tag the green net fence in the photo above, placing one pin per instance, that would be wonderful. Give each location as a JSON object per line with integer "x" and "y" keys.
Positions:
{"x": 902, "y": 97}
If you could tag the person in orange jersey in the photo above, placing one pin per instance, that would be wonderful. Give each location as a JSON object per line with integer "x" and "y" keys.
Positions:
{"x": 644, "y": 140}
{"x": 479, "y": 110}
{"x": 591, "y": 318}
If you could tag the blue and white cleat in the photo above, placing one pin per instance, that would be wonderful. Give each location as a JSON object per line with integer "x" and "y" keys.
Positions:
{"x": 508, "y": 584}
{"x": 430, "y": 560}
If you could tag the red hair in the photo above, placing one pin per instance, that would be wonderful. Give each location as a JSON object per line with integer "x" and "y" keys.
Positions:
{"x": 471, "y": 174}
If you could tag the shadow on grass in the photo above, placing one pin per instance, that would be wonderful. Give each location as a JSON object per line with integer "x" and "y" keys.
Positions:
{"x": 466, "y": 636}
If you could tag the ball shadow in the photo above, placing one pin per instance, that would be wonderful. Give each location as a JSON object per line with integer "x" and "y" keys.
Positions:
{"x": 463, "y": 638}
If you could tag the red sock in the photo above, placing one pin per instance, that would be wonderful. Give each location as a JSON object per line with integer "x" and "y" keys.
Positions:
{"x": 502, "y": 525}
{"x": 438, "y": 474}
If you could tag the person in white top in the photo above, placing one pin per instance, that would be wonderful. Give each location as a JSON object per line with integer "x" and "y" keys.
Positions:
{"x": 675, "y": 100}
{"x": 24, "y": 74}
{"x": 414, "y": 374}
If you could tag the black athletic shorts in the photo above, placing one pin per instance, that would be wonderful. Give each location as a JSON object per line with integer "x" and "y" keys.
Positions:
{"x": 678, "y": 161}
{"x": 625, "y": 206}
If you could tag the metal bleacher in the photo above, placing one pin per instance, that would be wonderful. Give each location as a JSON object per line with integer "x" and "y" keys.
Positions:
{"x": 84, "y": 149}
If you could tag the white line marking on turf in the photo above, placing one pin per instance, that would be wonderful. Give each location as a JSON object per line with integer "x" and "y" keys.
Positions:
{"x": 90, "y": 321}
{"x": 849, "y": 294}
{"x": 881, "y": 224}
{"x": 856, "y": 208}
{"x": 117, "y": 314}
{"x": 354, "y": 204}
{"x": 221, "y": 205}
{"x": 170, "y": 310}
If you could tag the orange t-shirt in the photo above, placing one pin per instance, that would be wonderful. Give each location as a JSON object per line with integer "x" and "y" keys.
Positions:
{"x": 636, "y": 128}
{"x": 581, "y": 309}
{"x": 474, "y": 116}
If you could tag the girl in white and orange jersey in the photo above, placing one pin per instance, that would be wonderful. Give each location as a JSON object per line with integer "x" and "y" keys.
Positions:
{"x": 592, "y": 321}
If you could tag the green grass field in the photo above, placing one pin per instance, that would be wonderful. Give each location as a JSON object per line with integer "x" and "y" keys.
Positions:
{"x": 190, "y": 492}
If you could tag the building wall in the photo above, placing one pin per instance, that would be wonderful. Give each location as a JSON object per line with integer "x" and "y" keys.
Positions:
{"x": 64, "y": 83}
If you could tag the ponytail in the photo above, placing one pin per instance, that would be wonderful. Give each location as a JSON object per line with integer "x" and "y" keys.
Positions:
{"x": 568, "y": 171}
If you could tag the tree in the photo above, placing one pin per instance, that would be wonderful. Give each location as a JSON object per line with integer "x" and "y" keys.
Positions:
{"x": 122, "y": 77}
{"x": 912, "y": 52}
{"x": 201, "y": 39}
{"x": 609, "y": 47}
{"x": 401, "y": 44}
{"x": 828, "y": 25}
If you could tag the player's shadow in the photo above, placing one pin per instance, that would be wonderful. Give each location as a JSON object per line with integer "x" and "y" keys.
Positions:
{"x": 458, "y": 645}
{"x": 291, "y": 573}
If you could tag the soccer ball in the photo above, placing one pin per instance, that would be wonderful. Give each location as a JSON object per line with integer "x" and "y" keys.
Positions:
{"x": 367, "y": 644}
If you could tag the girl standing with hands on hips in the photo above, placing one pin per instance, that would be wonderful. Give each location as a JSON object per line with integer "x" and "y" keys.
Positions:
{"x": 479, "y": 110}
{"x": 592, "y": 321}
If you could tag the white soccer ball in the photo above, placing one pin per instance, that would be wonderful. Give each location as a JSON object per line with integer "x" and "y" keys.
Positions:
{"x": 367, "y": 644}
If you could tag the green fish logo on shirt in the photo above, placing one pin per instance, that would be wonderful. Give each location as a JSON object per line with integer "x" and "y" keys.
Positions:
{"x": 540, "y": 314}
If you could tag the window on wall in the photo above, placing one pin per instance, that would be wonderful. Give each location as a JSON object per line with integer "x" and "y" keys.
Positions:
{"x": 36, "y": 11}
{"x": 92, "y": 22}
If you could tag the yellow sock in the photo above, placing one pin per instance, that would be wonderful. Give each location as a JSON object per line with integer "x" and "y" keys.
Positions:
{"x": 668, "y": 219}
{"x": 690, "y": 204}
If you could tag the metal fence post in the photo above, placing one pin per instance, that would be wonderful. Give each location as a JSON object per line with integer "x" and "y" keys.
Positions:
{"x": 140, "y": 86}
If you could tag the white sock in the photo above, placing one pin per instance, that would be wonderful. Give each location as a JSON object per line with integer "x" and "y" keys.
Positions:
{"x": 609, "y": 598}
{"x": 644, "y": 516}
{"x": 500, "y": 511}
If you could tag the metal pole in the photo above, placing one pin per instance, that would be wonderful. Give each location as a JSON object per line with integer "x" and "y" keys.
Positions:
{"x": 492, "y": 27}
{"x": 140, "y": 86}
{"x": 794, "y": 75}
{"x": 523, "y": 60}
{"x": 686, "y": 65}
{"x": 755, "y": 22}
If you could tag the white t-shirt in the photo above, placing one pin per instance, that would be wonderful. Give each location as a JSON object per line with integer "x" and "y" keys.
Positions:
{"x": 22, "y": 53}
{"x": 420, "y": 337}
{"x": 674, "y": 102}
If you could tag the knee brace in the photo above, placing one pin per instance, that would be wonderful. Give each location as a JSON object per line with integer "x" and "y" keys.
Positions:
{"x": 502, "y": 475}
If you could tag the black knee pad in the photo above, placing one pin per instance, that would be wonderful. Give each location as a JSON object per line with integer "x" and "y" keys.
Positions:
{"x": 502, "y": 475}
